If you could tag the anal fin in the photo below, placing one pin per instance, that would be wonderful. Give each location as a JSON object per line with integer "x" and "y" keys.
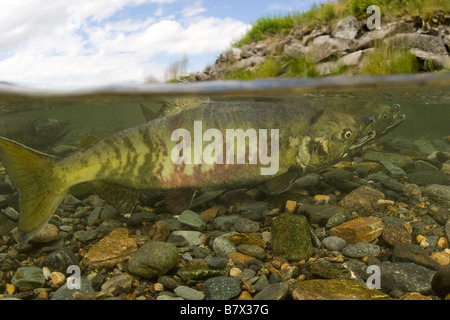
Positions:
{"x": 124, "y": 199}
{"x": 178, "y": 200}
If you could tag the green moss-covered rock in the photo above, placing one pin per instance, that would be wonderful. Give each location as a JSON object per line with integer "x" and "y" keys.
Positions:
{"x": 201, "y": 272}
{"x": 291, "y": 237}
{"x": 329, "y": 270}
{"x": 335, "y": 289}
{"x": 153, "y": 259}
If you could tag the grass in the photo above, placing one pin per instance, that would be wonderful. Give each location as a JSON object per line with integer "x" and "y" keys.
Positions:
{"x": 332, "y": 11}
{"x": 382, "y": 60}
{"x": 268, "y": 69}
{"x": 390, "y": 60}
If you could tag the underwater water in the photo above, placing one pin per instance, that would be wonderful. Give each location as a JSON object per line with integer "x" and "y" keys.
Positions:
{"x": 386, "y": 200}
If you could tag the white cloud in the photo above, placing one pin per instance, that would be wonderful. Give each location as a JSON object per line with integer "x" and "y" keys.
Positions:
{"x": 68, "y": 43}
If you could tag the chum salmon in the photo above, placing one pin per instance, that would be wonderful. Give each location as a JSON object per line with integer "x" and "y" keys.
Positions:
{"x": 204, "y": 147}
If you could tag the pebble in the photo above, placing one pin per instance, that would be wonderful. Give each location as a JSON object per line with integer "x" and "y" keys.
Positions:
{"x": 274, "y": 291}
{"x": 335, "y": 289}
{"x": 138, "y": 218}
{"x": 117, "y": 283}
{"x": 394, "y": 235}
{"x": 424, "y": 146}
{"x": 11, "y": 213}
{"x": 252, "y": 250}
{"x": 60, "y": 260}
{"x": 200, "y": 272}
{"x": 189, "y": 293}
{"x": 94, "y": 216}
{"x": 421, "y": 165}
{"x": 217, "y": 262}
{"x": 194, "y": 238}
{"x": 393, "y": 170}
{"x": 329, "y": 270}
{"x": 210, "y": 214}
{"x": 28, "y": 277}
{"x": 441, "y": 282}
{"x": 438, "y": 193}
{"x": 291, "y": 237}
{"x": 364, "y": 229}
{"x": 109, "y": 212}
{"x": 86, "y": 235}
{"x": 441, "y": 257}
{"x": 406, "y": 277}
{"x": 192, "y": 220}
{"x": 425, "y": 178}
{"x": 222, "y": 221}
{"x": 245, "y": 225}
{"x": 110, "y": 250}
{"x": 363, "y": 200}
{"x": 153, "y": 259}
{"x": 290, "y": 206}
{"x": 361, "y": 250}
{"x": 222, "y": 288}
{"x": 320, "y": 214}
{"x": 58, "y": 278}
{"x": 333, "y": 243}
{"x": 47, "y": 234}
{"x": 222, "y": 246}
{"x": 65, "y": 293}
{"x": 161, "y": 231}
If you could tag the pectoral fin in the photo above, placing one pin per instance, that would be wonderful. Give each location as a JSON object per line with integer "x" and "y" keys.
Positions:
{"x": 282, "y": 182}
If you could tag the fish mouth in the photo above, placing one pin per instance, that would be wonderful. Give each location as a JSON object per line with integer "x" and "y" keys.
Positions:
{"x": 395, "y": 122}
{"x": 364, "y": 139}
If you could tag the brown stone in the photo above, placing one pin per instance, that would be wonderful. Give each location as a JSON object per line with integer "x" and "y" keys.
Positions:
{"x": 394, "y": 235}
{"x": 363, "y": 200}
{"x": 334, "y": 289}
{"x": 245, "y": 238}
{"x": 162, "y": 231}
{"x": 110, "y": 250}
{"x": 209, "y": 214}
{"x": 238, "y": 257}
{"x": 414, "y": 253}
{"x": 47, "y": 234}
{"x": 363, "y": 229}
{"x": 441, "y": 257}
{"x": 414, "y": 296}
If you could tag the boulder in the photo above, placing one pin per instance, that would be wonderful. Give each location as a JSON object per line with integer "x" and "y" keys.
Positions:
{"x": 347, "y": 28}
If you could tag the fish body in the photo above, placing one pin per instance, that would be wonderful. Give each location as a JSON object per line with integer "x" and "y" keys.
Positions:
{"x": 206, "y": 147}
{"x": 38, "y": 133}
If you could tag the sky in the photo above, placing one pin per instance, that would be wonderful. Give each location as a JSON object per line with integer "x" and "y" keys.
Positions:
{"x": 60, "y": 44}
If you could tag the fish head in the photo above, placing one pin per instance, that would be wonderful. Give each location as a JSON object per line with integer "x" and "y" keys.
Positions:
{"x": 330, "y": 138}
{"x": 385, "y": 117}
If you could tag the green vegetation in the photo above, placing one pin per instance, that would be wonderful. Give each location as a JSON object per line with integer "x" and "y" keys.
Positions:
{"x": 391, "y": 60}
{"x": 265, "y": 27}
{"x": 334, "y": 10}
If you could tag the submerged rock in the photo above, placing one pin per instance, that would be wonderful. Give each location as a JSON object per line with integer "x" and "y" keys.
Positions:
{"x": 291, "y": 237}
{"x": 153, "y": 259}
{"x": 363, "y": 229}
{"x": 335, "y": 289}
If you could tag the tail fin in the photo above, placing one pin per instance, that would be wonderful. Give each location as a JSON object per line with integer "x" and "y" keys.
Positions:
{"x": 31, "y": 172}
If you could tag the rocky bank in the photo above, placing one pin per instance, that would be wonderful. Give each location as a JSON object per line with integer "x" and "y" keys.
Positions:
{"x": 345, "y": 44}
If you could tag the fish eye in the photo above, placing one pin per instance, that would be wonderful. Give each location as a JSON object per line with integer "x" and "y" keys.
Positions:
{"x": 347, "y": 133}
{"x": 385, "y": 116}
